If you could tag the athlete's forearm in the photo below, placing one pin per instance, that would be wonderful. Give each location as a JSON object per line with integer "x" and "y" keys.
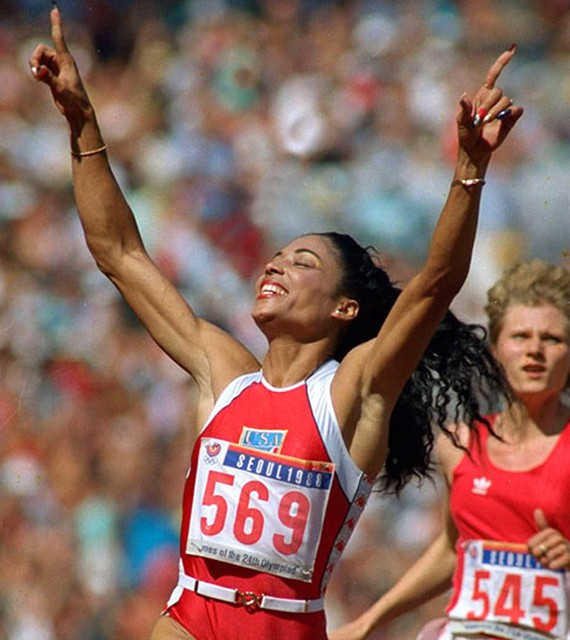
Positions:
{"x": 427, "y": 578}
{"x": 107, "y": 219}
{"x": 452, "y": 243}
{"x": 453, "y": 238}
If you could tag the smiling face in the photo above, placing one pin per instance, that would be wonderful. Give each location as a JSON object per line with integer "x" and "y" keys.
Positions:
{"x": 533, "y": 345}
{"x": 298, "y": 291}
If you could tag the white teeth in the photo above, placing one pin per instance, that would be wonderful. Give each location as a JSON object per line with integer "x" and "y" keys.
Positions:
{"x": 272, "y": 289}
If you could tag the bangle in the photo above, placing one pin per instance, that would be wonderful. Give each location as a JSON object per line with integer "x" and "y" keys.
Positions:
{"x": 85, "y": 154}
{"x": 471, "y": 182}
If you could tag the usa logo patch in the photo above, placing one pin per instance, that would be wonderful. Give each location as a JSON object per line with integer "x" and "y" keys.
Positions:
{"x": 269, "y": 440}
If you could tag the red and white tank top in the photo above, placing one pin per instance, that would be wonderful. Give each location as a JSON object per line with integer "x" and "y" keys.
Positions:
{"x": 272, "y": 495}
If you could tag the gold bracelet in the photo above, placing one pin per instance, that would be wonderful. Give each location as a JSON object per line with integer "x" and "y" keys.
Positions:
{"x": 85, "y": 154}
{"x": 471, "y": 182}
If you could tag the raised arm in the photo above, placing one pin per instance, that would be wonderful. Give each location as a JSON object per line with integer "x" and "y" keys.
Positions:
{"x": 211, "y": 356}
{"x": 426, "y": 298}
{"x": 379, "y": 369}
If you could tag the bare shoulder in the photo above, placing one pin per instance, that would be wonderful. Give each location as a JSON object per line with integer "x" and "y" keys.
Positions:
{"x": 450, "y": 448}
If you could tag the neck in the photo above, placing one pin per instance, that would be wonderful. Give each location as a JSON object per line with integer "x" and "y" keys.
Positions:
{"x": 526, "y": 417}
{"x": 289, "y": 362}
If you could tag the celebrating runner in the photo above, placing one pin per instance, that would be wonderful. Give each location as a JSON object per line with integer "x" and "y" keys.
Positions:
{"x": 289, "y": 448}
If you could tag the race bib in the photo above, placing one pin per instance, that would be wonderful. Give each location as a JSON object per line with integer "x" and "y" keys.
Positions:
{"x": 505, "y": 590}
{"x": 258, "y": 510}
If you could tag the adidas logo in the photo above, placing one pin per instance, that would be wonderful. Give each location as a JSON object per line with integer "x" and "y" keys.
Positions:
{"x": 481, "y": 486}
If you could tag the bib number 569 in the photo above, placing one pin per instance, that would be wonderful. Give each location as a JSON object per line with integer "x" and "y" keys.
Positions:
{"x": 249, "y": 520}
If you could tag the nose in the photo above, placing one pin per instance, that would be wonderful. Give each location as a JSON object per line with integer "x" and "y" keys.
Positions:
{"x": 273, "y": 266}
{"x": 535, "y": 346}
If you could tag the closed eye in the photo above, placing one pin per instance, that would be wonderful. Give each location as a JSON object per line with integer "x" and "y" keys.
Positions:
{"x": 305, "y": 264}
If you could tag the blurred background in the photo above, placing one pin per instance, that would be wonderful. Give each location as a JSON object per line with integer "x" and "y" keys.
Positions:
{"x": 232, "y": 127}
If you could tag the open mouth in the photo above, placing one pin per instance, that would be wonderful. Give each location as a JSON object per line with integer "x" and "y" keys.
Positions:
{"x": 535, "y": 369}
{"x": 271, "y": 290}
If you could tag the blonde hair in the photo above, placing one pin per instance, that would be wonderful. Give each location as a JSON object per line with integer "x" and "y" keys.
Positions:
{"x": 529, "y": 283}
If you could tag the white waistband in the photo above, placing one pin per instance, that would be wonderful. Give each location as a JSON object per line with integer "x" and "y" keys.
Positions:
{"x": 248, "y": 598}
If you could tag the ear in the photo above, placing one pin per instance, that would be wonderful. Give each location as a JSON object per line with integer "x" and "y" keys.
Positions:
{"x": 346, "y": 310}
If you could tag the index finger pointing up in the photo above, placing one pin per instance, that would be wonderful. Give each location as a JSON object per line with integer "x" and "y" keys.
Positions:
{"x": 499, "y": 64}
{"x": 57, "y": 30}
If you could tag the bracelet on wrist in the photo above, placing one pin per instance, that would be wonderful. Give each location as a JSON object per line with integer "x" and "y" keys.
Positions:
{"x": 469, "y": 182}
{"x": 85, "y": 154}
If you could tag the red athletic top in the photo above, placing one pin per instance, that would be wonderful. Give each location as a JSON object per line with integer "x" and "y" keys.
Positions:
{"x": 270, "y": 501}
{"x": 492, "y": 504}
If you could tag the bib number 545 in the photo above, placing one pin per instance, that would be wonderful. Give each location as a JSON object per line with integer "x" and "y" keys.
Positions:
{"x": 508, "y": 605}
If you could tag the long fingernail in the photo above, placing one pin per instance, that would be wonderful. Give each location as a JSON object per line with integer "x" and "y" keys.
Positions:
{"x": 479, "y": 117}
{"x": 513, "y": 46}
{"x": 503, "y": 114}
{"x": 39, "y": 72}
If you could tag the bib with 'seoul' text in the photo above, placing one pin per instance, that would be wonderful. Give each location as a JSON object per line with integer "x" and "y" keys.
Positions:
{"x": 259, "y": 510}
{"x": 505, "y": 590}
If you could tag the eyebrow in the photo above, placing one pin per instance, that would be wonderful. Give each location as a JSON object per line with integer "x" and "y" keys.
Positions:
{"x": 299, "y": 251}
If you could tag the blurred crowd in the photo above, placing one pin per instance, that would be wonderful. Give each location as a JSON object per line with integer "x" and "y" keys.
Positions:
{"x": 232, "y": 126}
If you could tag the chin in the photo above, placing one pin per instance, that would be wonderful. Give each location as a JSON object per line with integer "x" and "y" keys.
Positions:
{"x": 262, "y": 317}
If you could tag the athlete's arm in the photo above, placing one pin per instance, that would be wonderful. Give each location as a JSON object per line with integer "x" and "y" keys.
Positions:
{"x": 379, "y": 369}
{"x": 210, "y": 355}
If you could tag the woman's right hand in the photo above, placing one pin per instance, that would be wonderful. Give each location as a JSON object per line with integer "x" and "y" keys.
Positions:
{"x": 56, "y": 67}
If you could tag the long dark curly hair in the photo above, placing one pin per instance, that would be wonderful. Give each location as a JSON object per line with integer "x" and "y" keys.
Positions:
{"x": 457, "y": 379}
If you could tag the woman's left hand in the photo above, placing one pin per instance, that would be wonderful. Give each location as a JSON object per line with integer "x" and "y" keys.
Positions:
{"x": 485, "y": 121}
{"x": 549, "y": 546}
